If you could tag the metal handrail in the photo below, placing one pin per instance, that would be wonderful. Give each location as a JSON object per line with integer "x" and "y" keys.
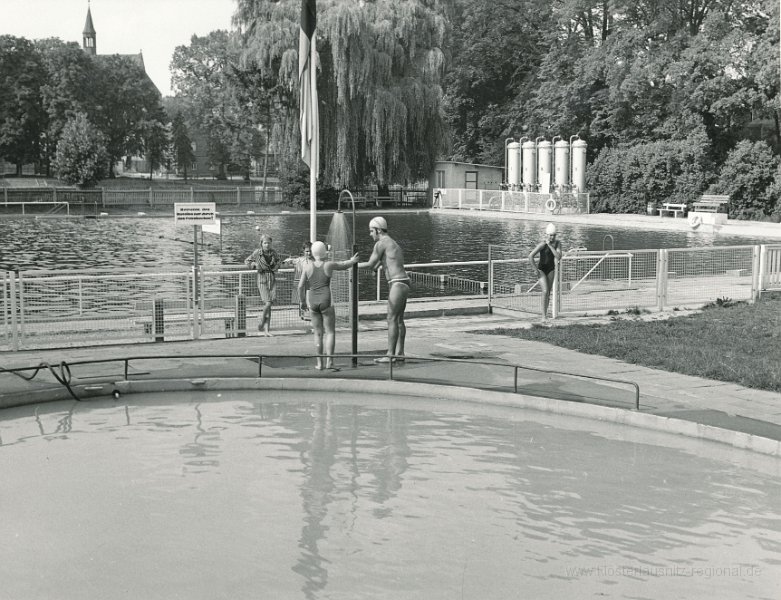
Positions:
{"x": 260, "y": 357}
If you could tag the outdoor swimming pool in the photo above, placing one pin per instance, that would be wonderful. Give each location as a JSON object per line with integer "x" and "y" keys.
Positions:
{"x": 282, "y": 495}
{"x": 133, "y": 243}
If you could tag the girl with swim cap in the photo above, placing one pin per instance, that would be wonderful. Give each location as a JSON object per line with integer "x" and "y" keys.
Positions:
{"x": 549, "y": 251}
{"x": 316, "y": 277}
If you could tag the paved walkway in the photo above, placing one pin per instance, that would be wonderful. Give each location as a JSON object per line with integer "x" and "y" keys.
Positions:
{"x": 467, "y": 355}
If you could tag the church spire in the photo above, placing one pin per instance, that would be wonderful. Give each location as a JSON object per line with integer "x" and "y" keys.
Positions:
{"x": 88, "y": 45}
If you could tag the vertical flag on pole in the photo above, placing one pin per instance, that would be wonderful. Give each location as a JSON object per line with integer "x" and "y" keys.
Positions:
{"x": 308, "y": 86}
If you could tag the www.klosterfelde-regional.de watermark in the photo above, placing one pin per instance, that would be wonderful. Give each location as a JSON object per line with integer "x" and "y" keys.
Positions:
{"x": 668, "y": 571}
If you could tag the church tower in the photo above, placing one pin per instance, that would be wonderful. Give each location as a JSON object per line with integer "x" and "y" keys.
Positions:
{"x": 88, "y": 45}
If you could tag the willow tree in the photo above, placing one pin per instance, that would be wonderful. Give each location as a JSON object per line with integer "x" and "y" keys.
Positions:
{"x": 380, "y": 66}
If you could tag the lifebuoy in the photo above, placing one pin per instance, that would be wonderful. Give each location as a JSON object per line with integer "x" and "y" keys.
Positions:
{"x": 695, "y": 221}
{"x": 550, "y": 204}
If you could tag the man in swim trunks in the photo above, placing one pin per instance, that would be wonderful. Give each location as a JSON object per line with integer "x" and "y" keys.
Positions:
{"x": 549, "y": 250}
{"x": 316, "y": 277}
{"x": 388, "y": 254}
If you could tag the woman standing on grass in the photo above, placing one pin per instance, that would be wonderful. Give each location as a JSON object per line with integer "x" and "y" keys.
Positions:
{"x": 549, "y": 250}
{"x": 266, "y": 260}
{"x": 316, "y": 277}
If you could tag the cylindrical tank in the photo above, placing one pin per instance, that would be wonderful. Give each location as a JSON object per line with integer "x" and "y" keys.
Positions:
{"x": 544, "y": 160}
{"x": 579, "y": 166}
{"x": 529, "y": 164}
{"x": 513, "y": 165}
{"x": 561, "y": 165}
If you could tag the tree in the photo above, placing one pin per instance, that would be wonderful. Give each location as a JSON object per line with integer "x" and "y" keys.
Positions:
{"x": 21, "y": 112}
{"x": 66, "y": 90}
{"x": 200, "y": 75}
{"x": 125, "y": 100}
{"x": 380, "y": 72}
{"x": 182, "y": 144}
{"x": 81, "y": 156}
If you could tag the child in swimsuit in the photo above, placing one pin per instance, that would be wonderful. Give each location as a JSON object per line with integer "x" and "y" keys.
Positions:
{"x": 316, "y": 277}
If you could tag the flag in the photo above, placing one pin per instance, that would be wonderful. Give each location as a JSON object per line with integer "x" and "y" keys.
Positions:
{"x": 307, "y": 81}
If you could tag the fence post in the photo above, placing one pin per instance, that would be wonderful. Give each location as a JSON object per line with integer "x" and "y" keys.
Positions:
{"x": 192, "y": 194}
{"x": 158, "y": 319}
{"x": 490, "y": 279}
{"x": 758, "y": 270}
{"x": 661, "y": 279}
{"x": 240, "y": 327}
{"x": 238, "y": 196}
{"x": 14, "y": 326}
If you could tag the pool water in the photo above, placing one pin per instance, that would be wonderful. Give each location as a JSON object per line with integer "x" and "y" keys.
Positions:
{"x": 281, "y": 495}
{"x": 134, "y": 243}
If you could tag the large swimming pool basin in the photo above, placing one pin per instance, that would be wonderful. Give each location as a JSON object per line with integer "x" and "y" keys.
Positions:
{"x": 312, "y": 494}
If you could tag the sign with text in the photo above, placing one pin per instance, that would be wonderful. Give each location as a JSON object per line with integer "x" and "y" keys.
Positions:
{"x": 195, "y": 213}
{"x": 213, "y": 227}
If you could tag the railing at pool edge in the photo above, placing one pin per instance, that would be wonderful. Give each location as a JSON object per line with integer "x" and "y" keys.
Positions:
{"x": 65, "y": 377}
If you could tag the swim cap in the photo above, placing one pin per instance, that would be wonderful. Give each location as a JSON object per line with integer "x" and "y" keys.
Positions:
{"x": 550, "y": 229}
{"x": 319, "y": 250}
{"x": 378, "y": 223}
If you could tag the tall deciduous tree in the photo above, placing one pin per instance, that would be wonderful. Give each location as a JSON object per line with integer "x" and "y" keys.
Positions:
{"x": 70, "y": 74}
{"x": 182, "y": 144}
{"x": 21, "y": 111}
{"x": 380, "y": 71}
{"x": 126, "y": 100}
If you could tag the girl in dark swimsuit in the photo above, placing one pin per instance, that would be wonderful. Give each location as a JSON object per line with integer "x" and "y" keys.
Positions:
{"x": 316, "y": 277}
{"x": 549, "y": 251}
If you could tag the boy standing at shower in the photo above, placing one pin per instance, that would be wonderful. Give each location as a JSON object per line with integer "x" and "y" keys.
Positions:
{"x": 388, "y": 254}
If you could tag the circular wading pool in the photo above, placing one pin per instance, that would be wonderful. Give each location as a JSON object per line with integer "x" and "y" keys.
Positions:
{"x": 290, "y": 494}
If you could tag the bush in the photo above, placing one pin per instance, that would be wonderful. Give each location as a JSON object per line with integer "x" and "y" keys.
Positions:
{"x": 749, "y": 177}
{"x": 626, "y": 178}
{"x": 81, "y": 158}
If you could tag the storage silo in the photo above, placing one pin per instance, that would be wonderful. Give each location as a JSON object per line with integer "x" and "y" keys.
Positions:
{"x": 513, "y": 165}
{"x": 529, "y": 164}
{"x": 579, "y": 166}
{"x": 544, "y": 160}
{"x": 561, "y": 165}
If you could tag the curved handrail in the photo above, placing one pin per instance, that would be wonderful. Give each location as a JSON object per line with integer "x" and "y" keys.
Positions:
{"x": 260, "y": 358}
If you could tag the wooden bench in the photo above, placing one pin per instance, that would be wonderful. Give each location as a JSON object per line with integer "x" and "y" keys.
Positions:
{"x": 672, "y": 207}
{"x": 712, "y": 203}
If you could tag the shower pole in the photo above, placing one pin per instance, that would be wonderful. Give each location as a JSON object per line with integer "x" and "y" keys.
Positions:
{"x": 353, "y": 285}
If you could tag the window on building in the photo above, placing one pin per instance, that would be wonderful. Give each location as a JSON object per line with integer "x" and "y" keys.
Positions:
{"x": 440, "y": 179}
{"x": 470, "y": 180}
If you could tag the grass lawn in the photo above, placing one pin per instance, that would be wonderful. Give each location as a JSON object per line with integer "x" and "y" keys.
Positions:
{"x": 735, "y": 342}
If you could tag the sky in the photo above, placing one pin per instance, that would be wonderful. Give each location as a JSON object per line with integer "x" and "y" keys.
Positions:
{"x": 153, "y": 27}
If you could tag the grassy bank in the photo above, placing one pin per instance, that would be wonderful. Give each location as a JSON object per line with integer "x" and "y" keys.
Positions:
{"x": 734, "y": 342}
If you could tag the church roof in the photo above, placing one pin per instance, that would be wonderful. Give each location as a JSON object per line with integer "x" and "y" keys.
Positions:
{"x": 89, "y": 28}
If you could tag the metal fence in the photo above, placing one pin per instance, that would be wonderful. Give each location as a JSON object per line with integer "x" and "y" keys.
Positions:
{"x": 138, "y": 199}
{"x": 629, "y": 279}
{"x": 45, "y": 309}
{"x": 506, "y": 201}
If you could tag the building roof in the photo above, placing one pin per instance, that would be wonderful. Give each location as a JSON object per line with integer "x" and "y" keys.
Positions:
{"x": 89, "y": 28}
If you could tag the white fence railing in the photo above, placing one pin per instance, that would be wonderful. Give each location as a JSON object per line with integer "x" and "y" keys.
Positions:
{"x": 507, "y": 201}
{"x": 47, "y": 309}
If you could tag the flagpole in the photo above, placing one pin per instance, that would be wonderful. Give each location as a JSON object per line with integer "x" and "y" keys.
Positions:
{"x": 315, "y": 151}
